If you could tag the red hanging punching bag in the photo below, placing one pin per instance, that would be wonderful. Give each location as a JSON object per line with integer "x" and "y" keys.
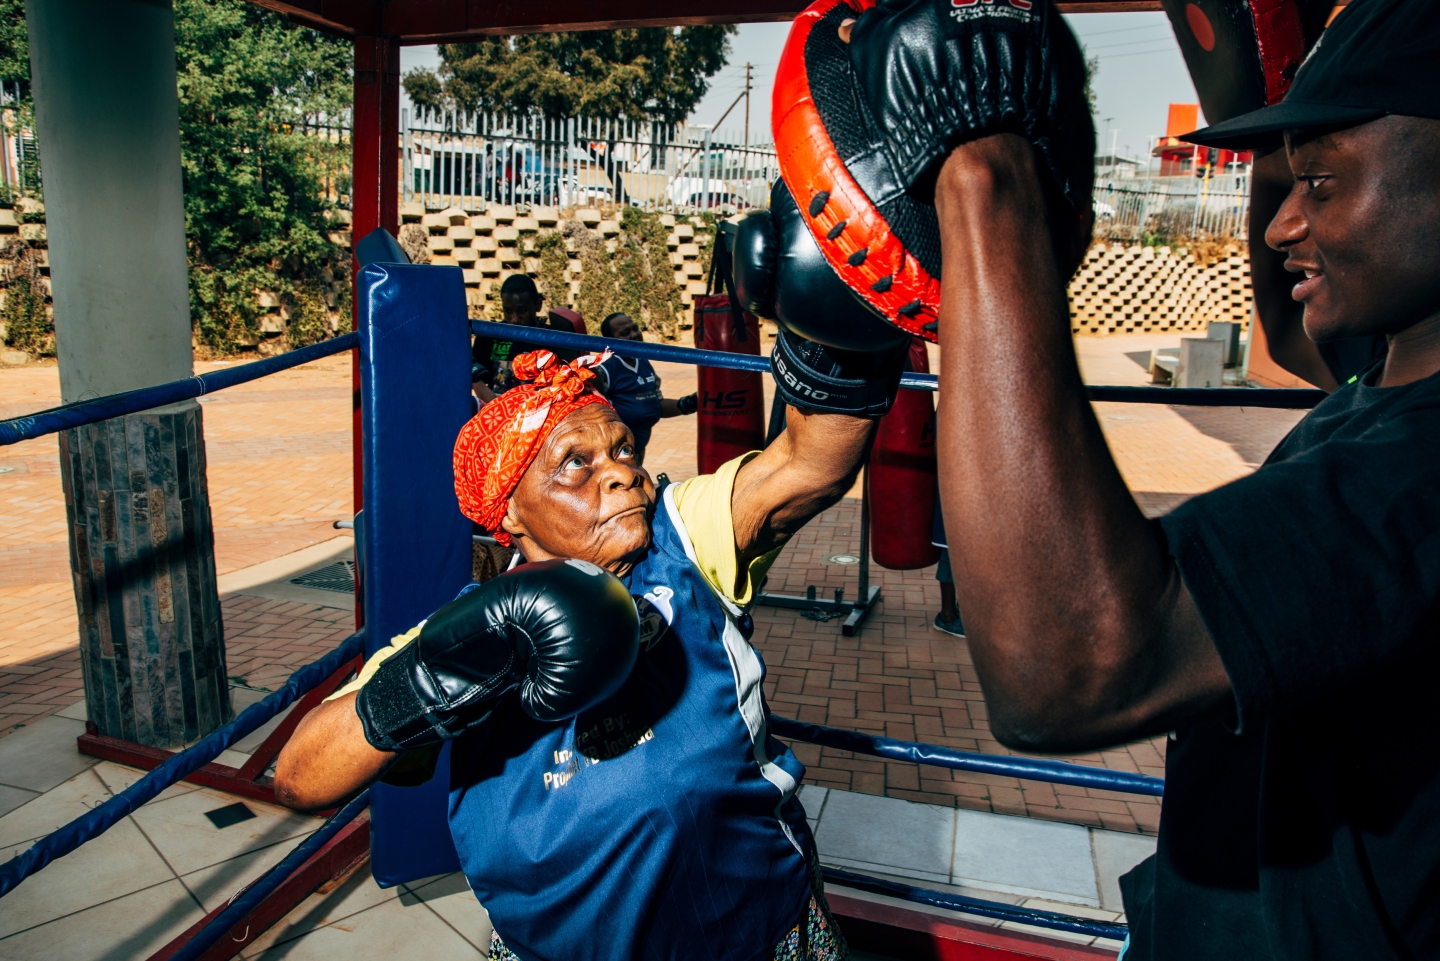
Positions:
{"x": 901, "y": 477}
{"x": 560, "y": 316}
{"x": 730, "y": 419}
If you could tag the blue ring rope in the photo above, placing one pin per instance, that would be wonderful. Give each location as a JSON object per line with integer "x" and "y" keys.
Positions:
{"x": 1283, "y": 397}
{"x": 986, "y": 909}
{"x": 101, "y": 818}
{"x": 56, "y": 419}
{"x": 1029, "y": 768}
{"x": 84, "y": 412}
{"x": 261, "y": 888}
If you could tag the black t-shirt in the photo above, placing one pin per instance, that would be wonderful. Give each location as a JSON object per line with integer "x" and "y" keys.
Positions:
{"x": 490, "y": 359}
{"x": 1351, "y": 355}
{"x": 1303, "y": 820}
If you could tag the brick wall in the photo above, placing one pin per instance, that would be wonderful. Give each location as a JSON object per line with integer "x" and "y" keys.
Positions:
{"x": 1123, "y": 290}
{"x": 491, "y": 246}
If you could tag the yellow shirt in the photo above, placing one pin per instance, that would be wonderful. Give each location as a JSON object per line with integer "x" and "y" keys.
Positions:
{"x": 704, "y": 506}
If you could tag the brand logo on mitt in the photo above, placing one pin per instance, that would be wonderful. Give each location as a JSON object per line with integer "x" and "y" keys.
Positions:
{"x": 966, "y": 11}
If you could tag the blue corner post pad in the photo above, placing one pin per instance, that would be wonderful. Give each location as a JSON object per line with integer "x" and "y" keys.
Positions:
{"x": 379, "y": 246}
{"x": 414, "y": 398}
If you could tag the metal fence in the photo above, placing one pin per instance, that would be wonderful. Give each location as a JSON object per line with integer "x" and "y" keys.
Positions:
{"x": 19, "y": 160}
{"x": 481, "y": 159}
{"x": 1173, "y": 208}
{"x": 331, "y": 153}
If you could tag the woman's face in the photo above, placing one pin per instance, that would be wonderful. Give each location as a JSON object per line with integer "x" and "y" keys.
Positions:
{"x": 585, "y": 496}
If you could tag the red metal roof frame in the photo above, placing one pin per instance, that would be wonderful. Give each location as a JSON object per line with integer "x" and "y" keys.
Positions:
{"x": 435, "y": 21}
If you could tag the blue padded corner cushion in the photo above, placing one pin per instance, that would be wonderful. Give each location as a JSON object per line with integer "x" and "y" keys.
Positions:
{"x": 414, "y": 398}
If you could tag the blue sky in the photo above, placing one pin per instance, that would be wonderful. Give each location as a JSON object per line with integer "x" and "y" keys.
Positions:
{"x": 1141, "y": 73}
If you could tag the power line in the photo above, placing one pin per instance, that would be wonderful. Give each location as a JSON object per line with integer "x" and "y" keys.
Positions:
{"x": 1128, "y": 43}
{"x": 1101, "y": 33}
{"x": 1142, "y": 53}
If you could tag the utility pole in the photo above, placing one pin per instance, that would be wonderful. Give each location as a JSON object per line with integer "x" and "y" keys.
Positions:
{"x": 747, "y": 104}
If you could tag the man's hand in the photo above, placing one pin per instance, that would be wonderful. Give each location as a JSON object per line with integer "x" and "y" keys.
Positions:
{"x": 679, "y": 406}
{"x": 1280, "y": 314}
{"x": 1082, "y": 632}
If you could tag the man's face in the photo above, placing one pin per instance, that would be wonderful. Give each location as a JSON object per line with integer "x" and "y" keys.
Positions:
{"x": 585, "y": 496}
{"x": 521, "y": 309}
{"x": 1362, "y": 223}
{"x": 623, "y": 328}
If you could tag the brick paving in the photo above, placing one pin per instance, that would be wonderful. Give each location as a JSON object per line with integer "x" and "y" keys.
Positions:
{"x": 279, "y": 456}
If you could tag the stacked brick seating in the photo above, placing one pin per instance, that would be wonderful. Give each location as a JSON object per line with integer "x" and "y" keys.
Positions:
{"x": 1123, "y": 290}
{"x": 491, "y": 246}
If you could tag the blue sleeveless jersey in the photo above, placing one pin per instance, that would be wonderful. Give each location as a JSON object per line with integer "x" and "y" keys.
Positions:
{"x": 661, "y": 824}
{"x": 635, "y": 394}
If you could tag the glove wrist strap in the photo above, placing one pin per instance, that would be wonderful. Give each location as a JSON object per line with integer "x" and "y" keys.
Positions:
{"x": 397, "y": 715}
{"x": 815, "y": 377}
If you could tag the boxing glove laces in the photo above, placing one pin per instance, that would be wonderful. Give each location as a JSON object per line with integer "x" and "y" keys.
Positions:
{"x": 563, "y": 634}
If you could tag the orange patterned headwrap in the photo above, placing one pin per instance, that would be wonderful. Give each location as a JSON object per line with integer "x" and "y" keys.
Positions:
{"x": 499, "y": 444}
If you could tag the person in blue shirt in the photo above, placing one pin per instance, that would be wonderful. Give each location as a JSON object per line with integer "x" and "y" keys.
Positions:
{"x": 657, "y": 818}
{"x": 633, "y": 387}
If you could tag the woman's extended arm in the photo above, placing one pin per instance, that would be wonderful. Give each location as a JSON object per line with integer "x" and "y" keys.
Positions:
{"x": 808, "y": 468}
{"x": 327, "y": 758}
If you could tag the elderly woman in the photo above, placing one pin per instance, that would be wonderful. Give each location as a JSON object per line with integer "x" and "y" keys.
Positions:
{"x": 600, "y": 811}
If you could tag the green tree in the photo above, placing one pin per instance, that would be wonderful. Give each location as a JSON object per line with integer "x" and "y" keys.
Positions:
{"x": 256, "y": 211}
{"x": 650, "y": 73}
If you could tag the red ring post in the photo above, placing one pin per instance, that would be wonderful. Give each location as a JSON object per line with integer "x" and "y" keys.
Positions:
{"x": 374, "y": 192}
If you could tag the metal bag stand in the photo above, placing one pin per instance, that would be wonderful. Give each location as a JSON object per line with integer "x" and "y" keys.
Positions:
{"x": 855, "y": 611}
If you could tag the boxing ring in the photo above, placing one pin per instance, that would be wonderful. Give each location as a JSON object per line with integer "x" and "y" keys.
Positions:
{"x": 413, "y": 550}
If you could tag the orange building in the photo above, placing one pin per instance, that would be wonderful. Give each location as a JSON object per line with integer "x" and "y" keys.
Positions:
{"x": 1178, "y": 158}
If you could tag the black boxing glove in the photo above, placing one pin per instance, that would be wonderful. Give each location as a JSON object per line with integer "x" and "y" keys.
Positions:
{"x": 931, "y": 74}
{"x": 564, "y": 633}
{"x": 818, "y": 377}
{"x": 688, "y": 404}
{"x": 781, "y": 275}
{"x": 834, "y": 354}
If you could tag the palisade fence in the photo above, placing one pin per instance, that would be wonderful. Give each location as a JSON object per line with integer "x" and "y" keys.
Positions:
{"x": 19, "y": 163}
{"x": 473, "y": 160}
{"x": 1173, "y": 208}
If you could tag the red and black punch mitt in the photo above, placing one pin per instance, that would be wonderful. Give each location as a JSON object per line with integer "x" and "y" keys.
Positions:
{"x": 860, "y": 128}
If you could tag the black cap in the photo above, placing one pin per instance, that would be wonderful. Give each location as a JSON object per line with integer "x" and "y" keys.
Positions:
{"x": 1378, "y": 57}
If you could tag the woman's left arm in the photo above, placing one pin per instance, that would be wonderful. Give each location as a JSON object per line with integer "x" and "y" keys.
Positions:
{"x": 808, "y": 468}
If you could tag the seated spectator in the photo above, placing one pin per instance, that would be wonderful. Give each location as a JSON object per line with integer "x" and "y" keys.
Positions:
{"x": 631, "y": 385}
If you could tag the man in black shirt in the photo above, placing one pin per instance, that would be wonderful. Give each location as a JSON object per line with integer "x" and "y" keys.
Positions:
{"x": 1283, "y": 627}
{"x": 490, "y": 358}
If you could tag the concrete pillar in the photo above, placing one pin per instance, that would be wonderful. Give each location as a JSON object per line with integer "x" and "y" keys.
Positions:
{"x": 151, "y": 644}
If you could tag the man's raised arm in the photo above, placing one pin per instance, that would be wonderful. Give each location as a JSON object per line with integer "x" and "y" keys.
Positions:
{"x": 1082, "y": 631}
